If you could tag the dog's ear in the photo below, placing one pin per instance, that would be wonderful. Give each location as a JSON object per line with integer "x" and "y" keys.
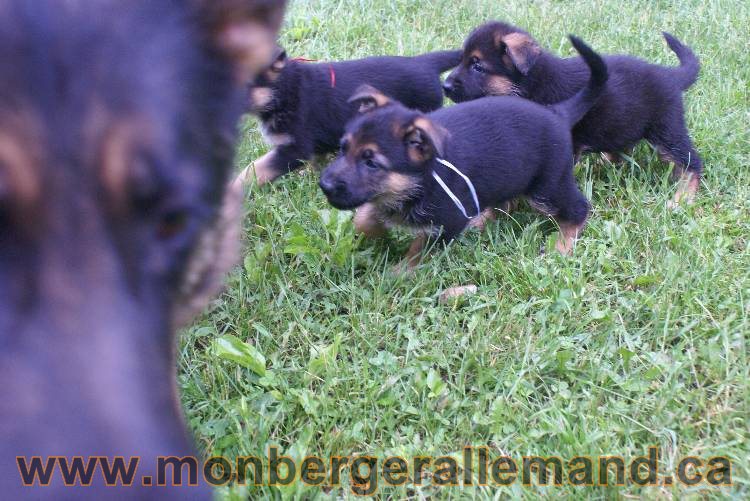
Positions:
{"x": 519, "y": 50}
{"x": 279, "y": 60}
{"x": 424, "y": 140}
{"x": 243, "y": 31}
{"x": 368, "y": 98}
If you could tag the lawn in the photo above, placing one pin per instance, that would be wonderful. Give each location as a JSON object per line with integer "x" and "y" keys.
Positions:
{"x": 641, "y": 338}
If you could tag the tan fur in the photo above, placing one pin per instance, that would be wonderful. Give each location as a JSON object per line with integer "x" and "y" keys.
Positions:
{"x": 613, "y": 158}
{"x": 568, "y": 235}
{"x": 260, "y": 171}
{"x": 454, "y": 293}
{"x": 508, "y": 207}
{"x": 394, "y": 189}
{"x": 260, "y": 97}
{"x": 687, "y": 183}
{"x": 118, "y": 160}
{"x": 520, "y": 47}
{"x": 398, "y": 183}
{"x": 480, "y": 222}
{"x": 367, "y": 92}
{"x": 276, "y": 139}
{"x": 368, "y": 222}
{"x": 516, "y": 41}
{"x": 356, "y": 149}
{"x": 250, "y": 45}
{"x": 218, "y": 250}
{"x": 477, "y": 54}
{"x": 542, "y": 207}
{"x": 244, "y": 31}
{"x": 498, "y": 85}
{"x": 19, "y": 175}
{"x": 413, "y": 256}
{"x": 687, "y": 188}
{"x": 436, "y": 134}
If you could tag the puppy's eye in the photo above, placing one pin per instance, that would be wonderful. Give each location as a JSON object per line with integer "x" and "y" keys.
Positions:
{"x": 477, "y": 66}
{"x": 172, "y": 223}
{"x": 369, "y": 158}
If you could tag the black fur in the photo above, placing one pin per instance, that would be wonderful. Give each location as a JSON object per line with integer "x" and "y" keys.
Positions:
{"x": 117, "y": 131}
{"x": 309, "y": 101}
{"x": 641, "y": 100}
{"x": 507, "y": 146}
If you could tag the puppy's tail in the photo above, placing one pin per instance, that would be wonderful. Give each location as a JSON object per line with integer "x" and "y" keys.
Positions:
{"x": 443, "y": 60}
{"x": 575, "y": 108}
{"x": 687, "y": 72}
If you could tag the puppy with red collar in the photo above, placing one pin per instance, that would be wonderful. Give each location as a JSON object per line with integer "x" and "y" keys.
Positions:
{"x": 303, "y": 106}
{"x": 437, "y": 173}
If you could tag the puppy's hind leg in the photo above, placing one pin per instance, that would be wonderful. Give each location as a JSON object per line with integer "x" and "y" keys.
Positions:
{"x": 565, "y": 203}
{"x": 674, "y": 145}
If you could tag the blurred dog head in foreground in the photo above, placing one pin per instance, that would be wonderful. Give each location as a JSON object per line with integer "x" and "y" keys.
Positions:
{"x": 117, "y": 131}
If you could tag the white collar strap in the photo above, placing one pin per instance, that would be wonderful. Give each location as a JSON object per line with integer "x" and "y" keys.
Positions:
{"x": 453, "y": 195}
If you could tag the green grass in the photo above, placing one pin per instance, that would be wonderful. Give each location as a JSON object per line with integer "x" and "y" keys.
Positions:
{"x": 640, "y": 339}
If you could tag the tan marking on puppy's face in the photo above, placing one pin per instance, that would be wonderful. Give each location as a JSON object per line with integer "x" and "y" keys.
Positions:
{"x": 369, "y": 98}
{"x": 244, "y": 31}
{"x": 19, "y": 175}
{"x": 393, "y": 188}
{"x": 119, "y": 160}
{"x": 397, "y": 183}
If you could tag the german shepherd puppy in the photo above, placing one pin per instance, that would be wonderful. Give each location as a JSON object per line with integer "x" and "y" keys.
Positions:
{"x": 641, "y": 101}
{"x": 506, "y": 146}
{"x": 304, "y": 107}
{"x": 117, "y": 131}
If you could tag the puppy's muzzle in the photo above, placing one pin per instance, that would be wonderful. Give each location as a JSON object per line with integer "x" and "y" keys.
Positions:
{"x": 452, "y": 86}
{"x": 333, "y": 188}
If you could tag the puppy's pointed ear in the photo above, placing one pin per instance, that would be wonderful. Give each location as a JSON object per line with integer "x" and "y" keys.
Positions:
{"x": 368, "y": 98}
{"x": 242, "y": 31}
{"x": 424, "y": 140}
{"x": 279, "y": 60}
{"x": 520, "y": 50}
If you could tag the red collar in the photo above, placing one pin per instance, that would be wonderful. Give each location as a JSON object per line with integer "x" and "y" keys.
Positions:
{"x": 330, "y": 68}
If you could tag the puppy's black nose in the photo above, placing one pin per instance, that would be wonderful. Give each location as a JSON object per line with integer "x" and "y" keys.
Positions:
{"x": 447, "y": 86}
{"x": 330, "y": 186}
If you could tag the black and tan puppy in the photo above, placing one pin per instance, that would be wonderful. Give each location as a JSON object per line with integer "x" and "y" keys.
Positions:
{"x": 394, "y": 161}
{"x": 304, "y": 107}
{"x": 641, "y": 101}
{"x": 118, "y": 121}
